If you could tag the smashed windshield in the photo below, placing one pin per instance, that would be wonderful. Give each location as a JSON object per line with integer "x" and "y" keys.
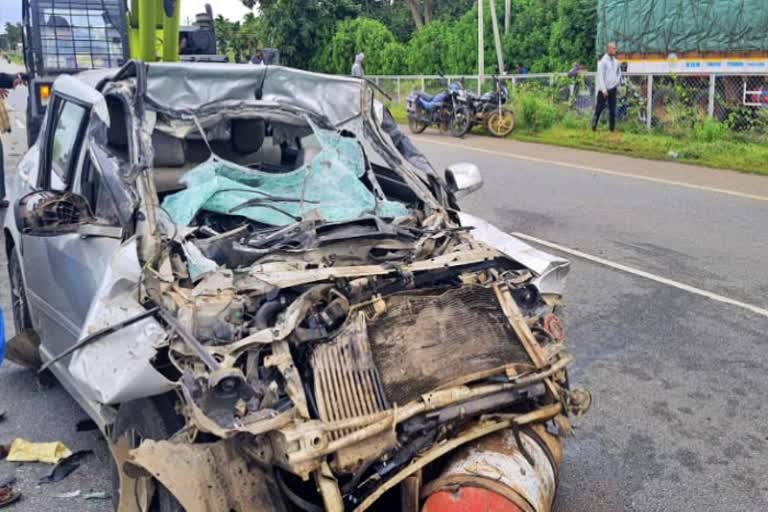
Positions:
{"x": 330, "y": 186}
{"x": 80, "y": 35}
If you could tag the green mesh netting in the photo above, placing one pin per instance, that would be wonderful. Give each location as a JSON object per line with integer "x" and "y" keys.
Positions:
{"x": 670, "y": 26}
{"x": 329, "y": 184}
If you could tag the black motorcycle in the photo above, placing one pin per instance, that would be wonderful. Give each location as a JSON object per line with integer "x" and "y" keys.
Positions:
{"x": 489, "y": 109}
{"x": 448, "y": 110}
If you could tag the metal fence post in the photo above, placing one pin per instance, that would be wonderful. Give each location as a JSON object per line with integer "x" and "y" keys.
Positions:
{"x": 711, "y": 105}
{"x": 399, "y": 98}
{"x": 649, "y": 107}
{"x": 479, "y": 85}
{"x": 423, "y": 87}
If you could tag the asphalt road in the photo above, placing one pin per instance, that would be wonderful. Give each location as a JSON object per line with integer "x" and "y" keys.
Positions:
{"x": 679, "y": 380}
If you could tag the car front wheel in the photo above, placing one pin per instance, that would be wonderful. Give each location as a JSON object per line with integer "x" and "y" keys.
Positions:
{"x": 148, "y": 418}
{"x": 21, "y": 318}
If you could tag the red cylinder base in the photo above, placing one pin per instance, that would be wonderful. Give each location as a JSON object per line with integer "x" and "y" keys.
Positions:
{"x": 468, "y": 499}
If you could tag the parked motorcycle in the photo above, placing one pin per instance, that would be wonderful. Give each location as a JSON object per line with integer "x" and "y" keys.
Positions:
{"x": 489, "y": 110}
{"x": 448, "y": 110}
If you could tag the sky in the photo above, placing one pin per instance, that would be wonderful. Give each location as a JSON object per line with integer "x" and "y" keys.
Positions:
{"x": 10, "y": 10}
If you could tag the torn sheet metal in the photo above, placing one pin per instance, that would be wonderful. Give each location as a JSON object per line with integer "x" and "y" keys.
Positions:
{"x": 550, "y": 270}
{"x": 117, "y": 367}
{"x": 329, "y": 184}
{"x": 207, "y": 477}
{"x": 337, "y": 98}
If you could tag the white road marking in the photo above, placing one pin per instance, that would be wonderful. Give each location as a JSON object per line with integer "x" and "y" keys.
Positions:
{"x": 647, "y": 275}
{"x": 600, "y": 170}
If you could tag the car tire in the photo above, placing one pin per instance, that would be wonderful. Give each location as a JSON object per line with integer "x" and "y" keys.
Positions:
{"x": 22, "y": 320}
{"x": 147, "y": 418}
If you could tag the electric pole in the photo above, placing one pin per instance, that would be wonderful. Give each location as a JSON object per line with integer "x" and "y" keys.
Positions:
{"x": 507, "y": 14}
{"x": 480, "y": 43}
{"x": 497, "y": 37}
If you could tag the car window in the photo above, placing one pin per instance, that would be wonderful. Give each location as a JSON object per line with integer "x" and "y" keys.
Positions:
{"x": 66, "y": 129}
{"x": 93, "y": 188}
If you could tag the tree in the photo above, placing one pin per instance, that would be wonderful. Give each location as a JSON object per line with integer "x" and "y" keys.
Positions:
{"x": 299, "y": 27}
{"x": 13, "y": 34}
{"x": 421, "y": 11}
{"x": 238, "y": 39}
{"x": 573, "y": 34}
{"x": 382, "y": 51}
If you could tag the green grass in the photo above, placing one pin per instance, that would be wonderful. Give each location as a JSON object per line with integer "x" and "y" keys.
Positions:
{"x": 722, "y": 153}
{"x": 16, "y": 58}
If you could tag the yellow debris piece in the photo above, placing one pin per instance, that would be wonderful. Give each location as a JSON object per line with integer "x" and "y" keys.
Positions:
{"x": 26, "y": 451}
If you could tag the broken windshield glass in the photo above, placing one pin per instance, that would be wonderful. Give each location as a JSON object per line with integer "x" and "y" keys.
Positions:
{"x": 329, "y": 185}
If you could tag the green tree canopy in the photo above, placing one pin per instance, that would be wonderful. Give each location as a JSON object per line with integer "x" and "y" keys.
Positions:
{"x": 383, "y": 53}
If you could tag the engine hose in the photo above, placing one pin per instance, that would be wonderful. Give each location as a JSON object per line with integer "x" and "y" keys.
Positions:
{"x": 267, "y": 313}
{"x": 306, "y": 506}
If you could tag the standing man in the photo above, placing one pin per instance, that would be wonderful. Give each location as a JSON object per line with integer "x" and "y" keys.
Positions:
{"x": 6, "y": 82}
{"x": 357, "y": 67}
{"x": 608, "y": 79}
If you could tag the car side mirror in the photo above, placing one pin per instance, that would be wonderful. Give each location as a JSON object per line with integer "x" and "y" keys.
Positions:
{"x": 463, "y": 179}
{"x": 51, "y": 213}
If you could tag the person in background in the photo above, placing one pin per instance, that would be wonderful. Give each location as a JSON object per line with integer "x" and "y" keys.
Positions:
{"x": 357, "y": 68}
{"x": 7, "y": 81}
{"x": 258, "y": 59}
{"x": 573, "y": 76}
{"x": 608, "y": 79}
{"x": 521, "y": 70}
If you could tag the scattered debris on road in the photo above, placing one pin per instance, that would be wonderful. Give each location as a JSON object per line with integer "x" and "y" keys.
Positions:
{"x": 65, "y": 467}
{"x": 100, "y": 495}
{"x": 86, "y": 425}
{"x": 25, "y": 451}
{"x": 8, "y": 494}
{"x": 71, "y": 494}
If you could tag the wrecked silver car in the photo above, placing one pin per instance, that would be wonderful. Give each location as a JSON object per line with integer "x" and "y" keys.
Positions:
{"x": 267, "y": 299}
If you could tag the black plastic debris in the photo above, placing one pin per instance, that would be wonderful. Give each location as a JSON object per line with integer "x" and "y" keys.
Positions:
{"x": 86, "y": 425}
{"x": 65, "y": 467}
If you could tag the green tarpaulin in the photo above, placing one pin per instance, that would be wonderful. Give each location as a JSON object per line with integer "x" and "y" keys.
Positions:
{"x": 330, "y": 184}
{"x": 675, "y": 26}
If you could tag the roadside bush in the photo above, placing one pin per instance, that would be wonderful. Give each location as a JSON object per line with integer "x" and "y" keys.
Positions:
{"x": 535, "y": 111}
{"x": 711, "y": 131}
{"x": 383, "y": 54}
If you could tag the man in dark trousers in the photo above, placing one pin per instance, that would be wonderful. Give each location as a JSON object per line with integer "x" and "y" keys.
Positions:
{"x": 7, "y": 81}
{"x": 608, "y": 79}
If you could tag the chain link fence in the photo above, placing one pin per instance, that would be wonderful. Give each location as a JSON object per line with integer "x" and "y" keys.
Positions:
{"x": 671, "y": 104}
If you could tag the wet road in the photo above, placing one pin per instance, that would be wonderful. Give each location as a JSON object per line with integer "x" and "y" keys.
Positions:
{"x": 679, "y": 378}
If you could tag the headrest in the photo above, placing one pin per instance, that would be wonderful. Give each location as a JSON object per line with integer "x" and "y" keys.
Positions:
{"x": 169, "y": 151}
{"x": 117, "y": 133}
{"x": 247, "y": 135}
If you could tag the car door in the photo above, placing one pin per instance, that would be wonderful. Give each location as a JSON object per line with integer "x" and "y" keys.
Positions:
{"x": 63, "y": 271}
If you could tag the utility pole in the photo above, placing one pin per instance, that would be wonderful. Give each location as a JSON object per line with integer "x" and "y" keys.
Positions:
{"x": 507, "y": 15}
{"x": 480, "y": 43}
{"x": 497, "y": 37}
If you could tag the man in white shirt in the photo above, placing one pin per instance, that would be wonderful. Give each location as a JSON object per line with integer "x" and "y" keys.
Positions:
{"x": 608, "y": 78}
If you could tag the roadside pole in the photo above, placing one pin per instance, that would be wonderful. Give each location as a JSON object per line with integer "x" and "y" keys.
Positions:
{"x": 649, "y": 107}
{"x": 711, "y": 104}
{"x": 480, "y": 46}
{"x": 497, "y": 37}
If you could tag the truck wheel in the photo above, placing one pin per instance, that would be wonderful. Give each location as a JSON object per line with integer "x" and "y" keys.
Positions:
{"x": 147, "y": 418}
